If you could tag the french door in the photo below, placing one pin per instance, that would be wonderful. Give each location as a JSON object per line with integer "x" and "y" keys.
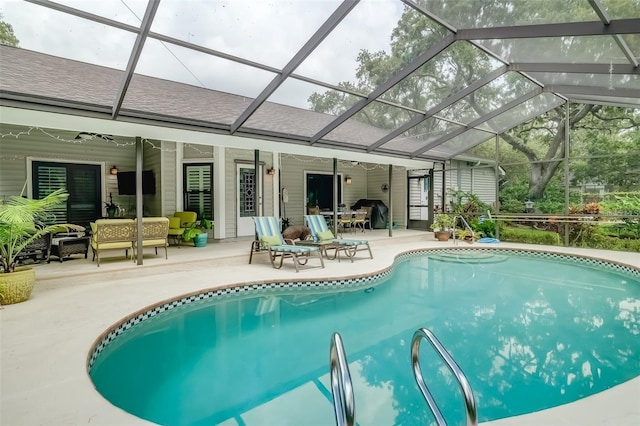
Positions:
{"x": 246, "y": 207}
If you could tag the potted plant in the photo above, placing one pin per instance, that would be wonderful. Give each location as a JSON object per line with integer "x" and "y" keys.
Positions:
{"x": 441, "y": 226}
{"x": 19, "y": 226}
{"x": 198, "y": 232}
{"x": 465, "y": 235}
{"x": 111, "y": 207}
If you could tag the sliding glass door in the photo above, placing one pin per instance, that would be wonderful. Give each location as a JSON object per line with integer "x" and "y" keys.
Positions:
{"x": 81, "y": 181}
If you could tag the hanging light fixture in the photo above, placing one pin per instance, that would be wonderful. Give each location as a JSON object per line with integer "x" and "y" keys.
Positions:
{"x": 271, "y": 171}
{"x": 347, "y": 180}
{"x": 114, "y": 170}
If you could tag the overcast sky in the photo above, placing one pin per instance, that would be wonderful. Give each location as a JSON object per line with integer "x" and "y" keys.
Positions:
{"x": 269, "y": 31}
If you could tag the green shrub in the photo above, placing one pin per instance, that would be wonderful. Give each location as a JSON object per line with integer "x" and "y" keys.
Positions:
{"x": 529, "y": 236}
{"x": 484, "y": 229}
{"x": 511, "y": 206}
{"x": 606, "y": 242}
{"x": 467, "y": 204}
{"x": 550, "y": 206}
{"x": 628, "y": 205}
{"x": 588, "y": 237}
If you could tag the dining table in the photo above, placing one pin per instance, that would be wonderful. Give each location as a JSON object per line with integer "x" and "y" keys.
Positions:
{"x": 328, "y": 215}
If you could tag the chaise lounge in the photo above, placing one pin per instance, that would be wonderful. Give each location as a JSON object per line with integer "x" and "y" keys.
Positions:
{"x": 271, "y": 241}
{"x": 324, "y": 238}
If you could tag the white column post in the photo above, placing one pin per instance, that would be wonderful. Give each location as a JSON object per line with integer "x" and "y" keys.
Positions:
{"x": 219, "y": 230}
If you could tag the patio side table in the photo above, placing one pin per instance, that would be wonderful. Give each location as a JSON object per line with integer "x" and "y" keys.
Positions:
{"x": 66, "y": 246}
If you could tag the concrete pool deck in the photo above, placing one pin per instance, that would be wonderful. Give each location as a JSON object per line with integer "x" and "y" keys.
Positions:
{"x": 45, "y": 340}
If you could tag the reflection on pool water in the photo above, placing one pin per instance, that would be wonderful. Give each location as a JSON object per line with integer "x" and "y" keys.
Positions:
{"x": 530, "y": 332}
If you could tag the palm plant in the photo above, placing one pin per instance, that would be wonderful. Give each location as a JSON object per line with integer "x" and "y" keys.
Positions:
{"x": 19, "y": 224}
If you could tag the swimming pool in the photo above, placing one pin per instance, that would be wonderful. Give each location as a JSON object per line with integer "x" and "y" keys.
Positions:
{"x": 557, "y": 337}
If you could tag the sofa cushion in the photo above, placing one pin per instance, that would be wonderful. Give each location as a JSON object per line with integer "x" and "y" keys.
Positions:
{"x": 156, "y": 242}
{"x": 115, "y": 245}
{"x": 174, "y": 222}
{"x": 186, "y": 218}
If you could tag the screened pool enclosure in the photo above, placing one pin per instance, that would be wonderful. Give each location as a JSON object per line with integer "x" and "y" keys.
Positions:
{"x": 388, "y": 80}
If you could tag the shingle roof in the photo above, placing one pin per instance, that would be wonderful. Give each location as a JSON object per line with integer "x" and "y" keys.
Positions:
{"x": 39, "y": 75}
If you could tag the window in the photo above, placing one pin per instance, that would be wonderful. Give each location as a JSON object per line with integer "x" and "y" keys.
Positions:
{"x": 81, "y": 181}
{"x": 198, "y": 189}
{"x": 320, "y": 190}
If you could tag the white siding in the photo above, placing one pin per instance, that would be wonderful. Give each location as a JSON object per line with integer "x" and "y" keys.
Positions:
{"x": 484, "y": 184}
{"x": 168, "y": 178}
{"x": 464, "y": 176}
{"x": 152, "y": 161}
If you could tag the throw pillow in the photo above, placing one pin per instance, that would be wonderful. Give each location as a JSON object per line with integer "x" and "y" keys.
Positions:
{"x": 174, "y": 222}
{"x": 271, "y": 240}
{"x": 325, "y": 235}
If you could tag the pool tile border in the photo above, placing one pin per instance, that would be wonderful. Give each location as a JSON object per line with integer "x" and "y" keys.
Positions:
{"x": 136, "y": 318}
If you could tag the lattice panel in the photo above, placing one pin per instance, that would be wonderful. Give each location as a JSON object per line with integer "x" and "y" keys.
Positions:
{"x": 247, "y": 188}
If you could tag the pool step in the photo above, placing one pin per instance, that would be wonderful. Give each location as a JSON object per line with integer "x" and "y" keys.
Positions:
{"x": 469, "y": 257}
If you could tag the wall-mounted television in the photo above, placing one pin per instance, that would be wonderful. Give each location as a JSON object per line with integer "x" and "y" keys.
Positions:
{"x": 127, "y": 183}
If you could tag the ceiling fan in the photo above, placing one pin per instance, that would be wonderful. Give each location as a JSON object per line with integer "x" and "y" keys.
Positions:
{"x": 88, "y": 135}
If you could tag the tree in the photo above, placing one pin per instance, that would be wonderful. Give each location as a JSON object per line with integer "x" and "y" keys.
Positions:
{"x": 541, "y": 141}
{"x": 611, "y": 160}
{"x": 7, "y": 36}
{"x": 594, "y": 130}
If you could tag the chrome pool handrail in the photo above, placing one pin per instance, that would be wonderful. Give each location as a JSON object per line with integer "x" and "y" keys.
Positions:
{"x": 469, "y": 400}
{"x": 341, "y": 387}
{"x": 466, "y": 225}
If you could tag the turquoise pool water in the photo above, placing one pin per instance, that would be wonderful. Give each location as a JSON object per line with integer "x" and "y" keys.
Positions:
{"x": 529, "y": 332}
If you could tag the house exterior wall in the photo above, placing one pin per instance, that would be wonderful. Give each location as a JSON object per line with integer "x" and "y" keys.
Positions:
{"x": 60, "y": 147}
{"x": 484, "y": 184}
{"x": 293, "y": 177}
{"x": 366, "y": 178}
{"x": 468, "y": 177}
{"x": 166, "y": 159}
{"x": 379, "y": 176}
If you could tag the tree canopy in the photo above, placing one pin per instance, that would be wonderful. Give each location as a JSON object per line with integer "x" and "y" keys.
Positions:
{"x": 540, "y": 141}
{"x": 7, "y": 36}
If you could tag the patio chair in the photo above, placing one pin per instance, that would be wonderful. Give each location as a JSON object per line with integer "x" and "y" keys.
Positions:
{"x": 367, "y": 219}
{"x": 322, "y": 234}
{"x": 178, "y": 223}
{"x": 345, "y": 220}
{"x": 359, "y": 219}
{"x": 270, "y": 239}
